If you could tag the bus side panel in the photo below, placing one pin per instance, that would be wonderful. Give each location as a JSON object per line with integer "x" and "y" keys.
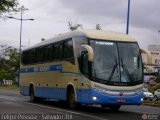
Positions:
{"x": 39, "y": 92}
{"x": 83, "y": 96}
{"x": 51, "y": 93}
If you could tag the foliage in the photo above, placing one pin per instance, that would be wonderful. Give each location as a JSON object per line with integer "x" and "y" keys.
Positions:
{"x": 157, "y": 77}
{"x": 7, "y": 6}
{"x": 9, "y": 62}
{"x": 13, "y": 61}
{"x": 157, "y": 86}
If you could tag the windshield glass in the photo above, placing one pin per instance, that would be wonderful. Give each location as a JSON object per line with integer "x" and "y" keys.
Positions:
{"x": 130, "y": 60}
{"x": 105, "y": 66}
{"x": 116, "y": 63}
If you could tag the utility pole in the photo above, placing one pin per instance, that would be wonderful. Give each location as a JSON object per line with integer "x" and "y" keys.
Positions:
{"x": 128, "y": 14}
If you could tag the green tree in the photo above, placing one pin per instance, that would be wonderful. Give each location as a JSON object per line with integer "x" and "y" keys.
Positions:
{"x": 9, "y": 62}
{"x": 7, "y": 6}
{"x": 157, "y": 78}
{"x": 13, "y": 61}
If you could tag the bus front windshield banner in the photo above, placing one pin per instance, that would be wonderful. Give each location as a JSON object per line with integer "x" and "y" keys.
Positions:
{"x": 116, "y": 63}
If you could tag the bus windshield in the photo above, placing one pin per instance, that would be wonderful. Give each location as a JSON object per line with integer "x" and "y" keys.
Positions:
{"x": 116, "y": 63}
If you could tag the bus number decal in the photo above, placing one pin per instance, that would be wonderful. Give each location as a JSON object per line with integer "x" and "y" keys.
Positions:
{"x": 42, "y": 69}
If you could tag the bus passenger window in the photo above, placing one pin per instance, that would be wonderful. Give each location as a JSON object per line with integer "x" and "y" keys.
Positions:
{"x": 31, "y": 57}
{"x": 24, "y": 58}
{"x": 27, "y": 56}
{"x": 39, "y": 55}
{"x": 57, "y": 51}
{"x": 47, "y": 52}
{"x": 68, "y": 51}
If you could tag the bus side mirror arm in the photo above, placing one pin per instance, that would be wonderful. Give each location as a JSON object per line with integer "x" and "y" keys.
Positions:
{"x": 90, "y": 58}
{"x": 90, "y": 52}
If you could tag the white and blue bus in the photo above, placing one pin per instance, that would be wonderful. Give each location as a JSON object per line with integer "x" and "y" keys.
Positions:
{"x": 93, "y": 67}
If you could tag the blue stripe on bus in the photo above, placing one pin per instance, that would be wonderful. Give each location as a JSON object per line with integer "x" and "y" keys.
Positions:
{"x": 57, "y": 67}
{"x": 31, "y": 69}
{"x": 42, "y": 69}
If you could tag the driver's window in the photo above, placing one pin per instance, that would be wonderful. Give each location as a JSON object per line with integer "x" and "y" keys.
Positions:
{"x": 80, "y": 50}
{"x": 85, "y": 64}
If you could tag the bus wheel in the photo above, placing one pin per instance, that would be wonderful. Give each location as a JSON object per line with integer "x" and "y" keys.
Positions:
{"x": 71, "y": 99}
{"x": 31, "y": 94}
{"x": 32, "y": 98}
{"x": 114, "y": 108}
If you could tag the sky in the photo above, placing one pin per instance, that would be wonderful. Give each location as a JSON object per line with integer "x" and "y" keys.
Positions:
{"x": 52, "y": 16}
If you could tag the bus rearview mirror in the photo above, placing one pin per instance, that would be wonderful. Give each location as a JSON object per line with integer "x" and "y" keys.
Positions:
{"x": 90, "y": 51}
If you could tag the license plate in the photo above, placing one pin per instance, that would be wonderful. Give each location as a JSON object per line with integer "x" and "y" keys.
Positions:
{"x": 120, "y": 100}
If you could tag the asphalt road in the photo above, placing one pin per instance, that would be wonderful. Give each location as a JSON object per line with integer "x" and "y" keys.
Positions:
{"x": 14, "y": 106}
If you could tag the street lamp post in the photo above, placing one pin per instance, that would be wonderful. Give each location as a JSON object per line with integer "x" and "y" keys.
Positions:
{"x": 128, "y": 13}
{"x": 21, "y": 19}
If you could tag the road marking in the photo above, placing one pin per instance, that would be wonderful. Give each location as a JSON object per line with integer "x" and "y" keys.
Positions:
{"x": 67, "y": 111}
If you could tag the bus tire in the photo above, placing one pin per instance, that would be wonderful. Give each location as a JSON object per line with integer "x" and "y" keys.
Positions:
{"x": 71, "y": 101}
{"x": 31, "y": 92}
{"x": 32, "y": 97}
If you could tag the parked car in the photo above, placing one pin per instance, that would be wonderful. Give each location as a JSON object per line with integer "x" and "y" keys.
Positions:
{"x": 147, "y": 95}
{"x": 157, "y": 95}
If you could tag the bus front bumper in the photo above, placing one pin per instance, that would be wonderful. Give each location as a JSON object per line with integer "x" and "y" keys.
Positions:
{"x": 97, "y": 97}
{"x": 93, "y": 96}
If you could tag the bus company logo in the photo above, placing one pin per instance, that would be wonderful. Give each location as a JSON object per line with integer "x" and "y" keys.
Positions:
{"x": 120, "y": 93}
{"x": 144, "y": 117}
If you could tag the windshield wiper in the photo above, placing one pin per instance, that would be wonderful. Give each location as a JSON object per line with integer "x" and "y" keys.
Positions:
{"x": 113, "y": 70}
{"x": 126, "y": 71}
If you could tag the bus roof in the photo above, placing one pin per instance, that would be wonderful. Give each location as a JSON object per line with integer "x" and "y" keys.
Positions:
{"x": 94, "y": 34}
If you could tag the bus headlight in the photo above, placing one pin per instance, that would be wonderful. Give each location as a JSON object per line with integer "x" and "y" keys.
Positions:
{"x": 141, "y": 99}
{"x": 94, "y": 98}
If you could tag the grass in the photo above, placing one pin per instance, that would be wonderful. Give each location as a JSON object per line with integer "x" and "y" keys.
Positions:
{"x": 152, "y": 103}
{"x": 14, "y": 86}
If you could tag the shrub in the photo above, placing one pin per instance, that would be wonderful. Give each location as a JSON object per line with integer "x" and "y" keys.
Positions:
{"x": 157, "y": 86}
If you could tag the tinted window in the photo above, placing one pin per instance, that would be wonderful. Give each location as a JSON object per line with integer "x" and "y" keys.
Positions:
{"x": 47, "y": 53}
{"x": 31, "y": 57}
{"x": 39, "y": 55}
{"x": 78, "y": 42}
{"x": 57, "y": 51}
{"x": 28, "y": 57}
{"x": 24, "y": 58}
{"x": 68, "y": 51}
